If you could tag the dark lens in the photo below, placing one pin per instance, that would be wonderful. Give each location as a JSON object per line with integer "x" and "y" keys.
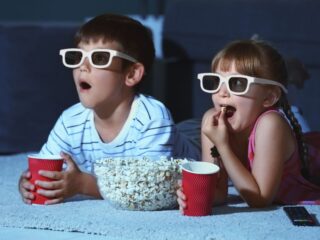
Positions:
{"x": 73, "y": 57}
{"x": 238, "y": 84}
{"x": 211, "y": 83}
{"x": 100, "y": 58}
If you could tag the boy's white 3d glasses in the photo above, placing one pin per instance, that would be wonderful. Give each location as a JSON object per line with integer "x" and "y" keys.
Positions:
{"x": 98, "y": 58}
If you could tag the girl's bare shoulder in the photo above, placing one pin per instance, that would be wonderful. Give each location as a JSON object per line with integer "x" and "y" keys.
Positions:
{"x": 273, "y": 128}
{"x": 273, "y": 120}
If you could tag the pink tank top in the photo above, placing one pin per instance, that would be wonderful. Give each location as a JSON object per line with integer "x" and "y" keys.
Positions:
{"x": 294, "y": 188}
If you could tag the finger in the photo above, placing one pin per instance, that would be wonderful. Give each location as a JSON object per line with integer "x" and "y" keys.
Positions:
{"x": 50, "y": 193}
{"x": 27, "y": 185}
{"x": 215, "y": 118}
{"x": 216, "y": 113}
{"x": 222, "y": 115}
{"x": 179, "y": 183}
{"x": 68, "y": 159}
{"x": 27, "y": 195}
{"x": 181, "y": 210}
{"x": 53, "y": 201}
{"x": 27, "y": 201}
{"x": 223, "y": 112}
{"x": 51, "y": 174}
{"x": 181, "y": 194}
{"x": 52, "y": 185}
{"x": 181, "y": 203}
{"x": 26, "y": 174}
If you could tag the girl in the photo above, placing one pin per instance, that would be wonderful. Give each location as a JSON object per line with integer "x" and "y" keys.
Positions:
{"x": 259, "y": 148}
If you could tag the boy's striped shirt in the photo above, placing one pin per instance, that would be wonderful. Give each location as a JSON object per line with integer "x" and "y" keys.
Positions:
{"x": 148, "y": 131}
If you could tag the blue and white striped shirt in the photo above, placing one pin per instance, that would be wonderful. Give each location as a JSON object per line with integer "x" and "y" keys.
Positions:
{"x": 148, "y": 131}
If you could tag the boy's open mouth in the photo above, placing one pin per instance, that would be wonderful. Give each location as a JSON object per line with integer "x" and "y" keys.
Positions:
{"x": 85, "y": 85}
{"x": 230, "y": 110}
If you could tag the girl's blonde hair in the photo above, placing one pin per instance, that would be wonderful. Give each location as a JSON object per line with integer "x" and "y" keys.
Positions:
{"x": 259, "y": 59}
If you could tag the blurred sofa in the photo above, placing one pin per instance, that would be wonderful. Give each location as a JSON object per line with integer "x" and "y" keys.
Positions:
{"x": 195, "y": 30}
{"x": 35, "y": 86}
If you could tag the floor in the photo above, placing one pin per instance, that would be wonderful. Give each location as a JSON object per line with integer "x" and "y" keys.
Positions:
{"x": 36, "y": 234}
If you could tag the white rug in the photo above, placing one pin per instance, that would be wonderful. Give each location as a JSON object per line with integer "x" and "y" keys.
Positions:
{"x": 234, "y": 221}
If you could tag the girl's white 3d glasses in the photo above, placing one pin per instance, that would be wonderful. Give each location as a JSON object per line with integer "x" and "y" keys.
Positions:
{"x": 236, "y": 84}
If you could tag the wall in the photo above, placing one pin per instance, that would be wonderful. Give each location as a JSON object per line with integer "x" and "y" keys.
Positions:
{"x": 74, "y": 10}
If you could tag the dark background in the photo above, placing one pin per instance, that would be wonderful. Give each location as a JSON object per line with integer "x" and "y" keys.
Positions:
{"x": 74, "y": 10}
{"x": 35, "y": 87}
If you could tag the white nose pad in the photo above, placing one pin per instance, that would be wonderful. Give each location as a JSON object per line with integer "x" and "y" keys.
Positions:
{"x": 85, "y": 65}
{"x": 223, "y": 91}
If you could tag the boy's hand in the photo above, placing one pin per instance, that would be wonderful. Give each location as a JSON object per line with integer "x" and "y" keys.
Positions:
{"x": 65, "y": 184}
{"x": 25, "y": 187}
{"x": 181, "y": 198}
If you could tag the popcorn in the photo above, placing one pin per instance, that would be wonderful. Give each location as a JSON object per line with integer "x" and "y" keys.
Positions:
{"x": 139, "y": 183}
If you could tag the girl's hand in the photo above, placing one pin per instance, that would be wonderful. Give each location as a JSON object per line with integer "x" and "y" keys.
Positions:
{"x": 25, "y": 187}
{"x": 65, "y": 184}
{"x": 181, "y": 198}
{"x": 214, "y": 127}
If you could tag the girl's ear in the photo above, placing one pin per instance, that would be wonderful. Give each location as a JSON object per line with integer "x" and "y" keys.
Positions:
{"x": 272, "y": 97}
{"x": 134, "y": 74}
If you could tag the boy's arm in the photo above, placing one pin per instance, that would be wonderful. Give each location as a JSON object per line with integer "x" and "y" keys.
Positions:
{"x": 156, "y": 138}
{"x": 161, "y": 137}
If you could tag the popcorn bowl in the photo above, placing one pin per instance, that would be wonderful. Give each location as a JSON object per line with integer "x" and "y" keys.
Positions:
{"x": 139, "y": 183}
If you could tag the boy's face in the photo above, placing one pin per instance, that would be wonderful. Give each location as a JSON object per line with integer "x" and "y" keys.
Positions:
{"x": 101, "y": 88}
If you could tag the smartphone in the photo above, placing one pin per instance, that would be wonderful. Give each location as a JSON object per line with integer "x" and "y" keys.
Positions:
{"x": 299, "y": 216}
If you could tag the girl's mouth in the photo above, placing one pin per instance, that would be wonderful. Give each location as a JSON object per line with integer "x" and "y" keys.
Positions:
{"x": 230, "y": 110}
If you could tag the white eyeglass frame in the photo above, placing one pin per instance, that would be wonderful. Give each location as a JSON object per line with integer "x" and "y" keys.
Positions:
{"x": 85, "y": 54}
{"x": 225, "y": 79}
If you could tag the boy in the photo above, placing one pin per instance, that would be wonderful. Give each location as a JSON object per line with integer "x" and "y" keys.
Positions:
{"x": 113, "y": 55}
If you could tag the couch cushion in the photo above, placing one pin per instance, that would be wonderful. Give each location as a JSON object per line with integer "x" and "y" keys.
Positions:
{"x": 201, "y": 28}
{"x": 35, "y": 86}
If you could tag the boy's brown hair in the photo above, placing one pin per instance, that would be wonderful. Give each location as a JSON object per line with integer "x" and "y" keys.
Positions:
{"x": 135, "y": 38}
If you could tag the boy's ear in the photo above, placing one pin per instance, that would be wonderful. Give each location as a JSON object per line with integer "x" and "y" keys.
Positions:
{"x": 272, "y": 97}
{"x": 134, "y": 74}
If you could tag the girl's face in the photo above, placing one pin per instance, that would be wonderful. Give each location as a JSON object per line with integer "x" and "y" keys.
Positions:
{"x": 242, "y": 111}
{"x": 100, "y": 88}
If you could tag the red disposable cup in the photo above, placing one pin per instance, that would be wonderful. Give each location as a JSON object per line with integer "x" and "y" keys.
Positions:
{"x": 42, "y": 162}
{"x": 199, "y": 183}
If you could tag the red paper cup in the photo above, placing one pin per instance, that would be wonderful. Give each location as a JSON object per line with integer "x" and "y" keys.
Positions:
{"x": 42, "y": 162}
{"x": 199, "y": 183}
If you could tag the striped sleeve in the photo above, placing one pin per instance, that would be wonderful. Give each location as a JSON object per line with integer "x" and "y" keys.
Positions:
{"x": 156, "y": 137}
{"x": 158, "y": 134}
{"x": 57, "y": 140}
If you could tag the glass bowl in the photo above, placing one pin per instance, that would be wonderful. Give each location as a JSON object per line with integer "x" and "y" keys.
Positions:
{"x": 139, "y": 183}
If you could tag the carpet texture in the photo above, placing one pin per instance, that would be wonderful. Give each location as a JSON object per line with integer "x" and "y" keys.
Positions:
{"x": 233, "y": 221}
